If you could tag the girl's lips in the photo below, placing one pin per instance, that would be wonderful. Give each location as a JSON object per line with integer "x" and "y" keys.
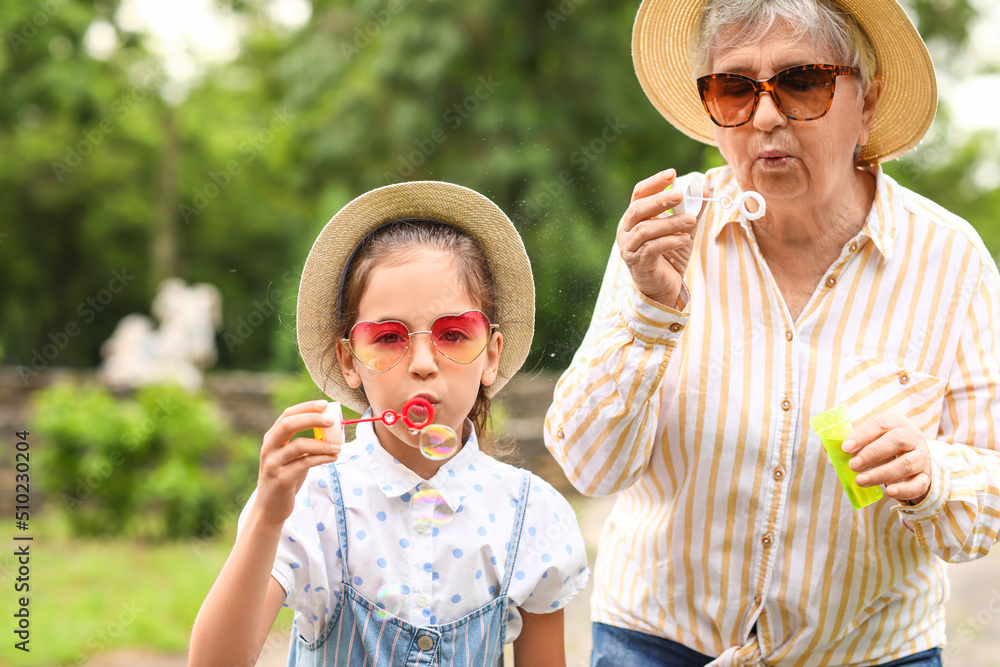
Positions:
{"x": 421, "y": 414}
{"x": 430, "y": 398}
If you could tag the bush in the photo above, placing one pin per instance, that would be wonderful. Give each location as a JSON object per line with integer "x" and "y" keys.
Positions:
{"x": 294, "y": 388}
{"x": 162, "y": 464}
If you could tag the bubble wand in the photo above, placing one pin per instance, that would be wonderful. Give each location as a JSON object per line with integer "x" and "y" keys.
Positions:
{"x": 390, "y": 417}
{"x": 693, "y": 188}
{"x": 437, "y": 441}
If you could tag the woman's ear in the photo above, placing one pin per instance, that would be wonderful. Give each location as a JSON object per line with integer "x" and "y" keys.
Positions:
{"x": 347, "y": 366}
{"x": 492, "y": 359}
{"x": 868, "y": 103}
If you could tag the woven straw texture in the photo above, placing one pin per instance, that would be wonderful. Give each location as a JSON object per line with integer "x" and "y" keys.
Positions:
{"x": 665, "y": 30}
{"x": 453, "y": 204}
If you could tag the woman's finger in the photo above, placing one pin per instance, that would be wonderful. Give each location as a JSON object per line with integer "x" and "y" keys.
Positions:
{"x": 651, "y": 207}
{"x": 904, "y": 466}
{"x": 870, "y": 429}
{"x": 648, "y": 230}
{"x": 658, "y": 182}
{"x": 649, "y": 254}
{"x": 912, "y": 489}
{"x": 889, "y": 445}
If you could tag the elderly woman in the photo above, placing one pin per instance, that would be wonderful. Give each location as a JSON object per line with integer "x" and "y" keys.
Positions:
{"x": 718, "y": 334}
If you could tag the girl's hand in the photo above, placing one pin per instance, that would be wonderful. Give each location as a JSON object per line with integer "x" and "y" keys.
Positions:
{"x": 897, "y": 453}
{"x": 284, "y": 463}
{"x": 540, "y": 643}
{"x": 656, "y": 246}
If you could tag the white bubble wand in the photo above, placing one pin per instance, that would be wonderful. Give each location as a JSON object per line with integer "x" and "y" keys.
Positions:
{"x": 693, "y": 189}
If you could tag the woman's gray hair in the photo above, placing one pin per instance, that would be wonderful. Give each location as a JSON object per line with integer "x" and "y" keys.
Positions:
{"x": 746, "y": 22}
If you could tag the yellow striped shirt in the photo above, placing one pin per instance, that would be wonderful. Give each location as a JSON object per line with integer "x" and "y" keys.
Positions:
{"x": 731, "y": 533}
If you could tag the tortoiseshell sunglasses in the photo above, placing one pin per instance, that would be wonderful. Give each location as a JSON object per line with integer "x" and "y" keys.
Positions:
{"x": 803, "y": 92}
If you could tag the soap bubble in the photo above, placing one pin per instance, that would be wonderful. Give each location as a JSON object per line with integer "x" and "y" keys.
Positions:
{"x": 438, "y": 442}
{"x": 431, "y": 507}
{"x": 389, "y": 601}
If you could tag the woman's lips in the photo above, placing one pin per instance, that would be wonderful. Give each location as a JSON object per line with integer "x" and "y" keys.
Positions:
{"x": 773, "y": 158}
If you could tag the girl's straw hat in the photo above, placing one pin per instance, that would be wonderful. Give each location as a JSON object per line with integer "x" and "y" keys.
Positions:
{"x": 665, "y": 33}
{"x": 452, "y": 204}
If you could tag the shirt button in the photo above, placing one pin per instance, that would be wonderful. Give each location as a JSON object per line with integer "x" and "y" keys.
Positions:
{"x": 904, "y": 377}
{"x": 422, "y": 602}
{"x": 676, "y": 327}
{"x": 779, "y": 473}
{"x": 831, "y": 281}
{"x": 560, "y": 434}
{"x": 786, "y": 405}
{"x": 756, "y": 599}
{"x": 422, "y": 528}
{"x": 425, "y": 643}
{"x": 766, "y": 540}
{"x": 854, "y": 247}
{"x": 789, "y": 335}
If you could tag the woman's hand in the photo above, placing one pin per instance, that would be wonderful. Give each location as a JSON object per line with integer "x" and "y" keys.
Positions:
{"x": 897, "y": 453}
{"x": 284, "y": 462}
{"x": 656, "y": 246}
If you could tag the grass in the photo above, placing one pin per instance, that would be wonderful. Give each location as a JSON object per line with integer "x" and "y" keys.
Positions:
{"x": 88, "y": 596}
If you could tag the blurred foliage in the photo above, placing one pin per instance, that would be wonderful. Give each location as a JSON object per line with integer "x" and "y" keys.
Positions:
{"x": 163, "y": 464}
{"x": 944, "y": 21}
{"x": 293, "y": 389}
{"x": 534, "y": 104}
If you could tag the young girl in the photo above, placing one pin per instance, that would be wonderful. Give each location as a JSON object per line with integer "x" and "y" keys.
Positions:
{"x": 389, "y": 553}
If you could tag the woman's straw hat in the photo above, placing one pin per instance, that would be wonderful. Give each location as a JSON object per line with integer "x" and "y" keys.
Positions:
{"x": 452, "y": 204}
{"x": 665, "y": 33}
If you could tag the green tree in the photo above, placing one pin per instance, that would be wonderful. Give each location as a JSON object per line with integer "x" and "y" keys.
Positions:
{"x": 81, "y": 139}
{"x": 533, "y": 104}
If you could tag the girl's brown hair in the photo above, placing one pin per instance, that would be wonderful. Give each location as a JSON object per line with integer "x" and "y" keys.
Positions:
{"x": 390, "y": 245}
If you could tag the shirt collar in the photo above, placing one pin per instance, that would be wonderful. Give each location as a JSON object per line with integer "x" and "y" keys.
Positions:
{"x": 882, "y": 222}
{"x": 453, "y": 480}
{"x": 880, "y": 226}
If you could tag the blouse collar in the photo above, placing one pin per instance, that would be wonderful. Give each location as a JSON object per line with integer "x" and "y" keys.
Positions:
{"x": 453, "y": 480}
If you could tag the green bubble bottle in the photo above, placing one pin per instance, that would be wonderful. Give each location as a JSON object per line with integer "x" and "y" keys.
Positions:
{"x": 832, "y": 427}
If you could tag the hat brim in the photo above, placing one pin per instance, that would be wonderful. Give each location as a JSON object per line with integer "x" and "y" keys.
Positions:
{"x": 662, "y": 41}
{"x": 452, "y": 204}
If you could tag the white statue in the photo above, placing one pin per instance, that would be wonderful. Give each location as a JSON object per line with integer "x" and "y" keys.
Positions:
{"x": 177, "y": 351}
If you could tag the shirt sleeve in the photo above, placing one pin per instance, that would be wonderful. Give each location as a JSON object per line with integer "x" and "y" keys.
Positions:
{"x": 959, "y": 520}
{"x": 551, "y": 565}
{"x": 299, "y": 563}
{"x": 601, "y": 425}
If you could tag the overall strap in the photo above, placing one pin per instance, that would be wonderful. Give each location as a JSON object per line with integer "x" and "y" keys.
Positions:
{"x": 515, "y": 534}
{"x": 338, "y": 500}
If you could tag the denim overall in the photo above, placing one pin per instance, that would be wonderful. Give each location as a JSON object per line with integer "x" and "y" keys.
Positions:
{"x": 359, "y": 633}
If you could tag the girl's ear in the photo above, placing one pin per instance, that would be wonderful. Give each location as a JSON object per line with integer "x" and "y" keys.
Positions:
{"x": 347, "y": 366}
{"x": 492, "y": 359}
